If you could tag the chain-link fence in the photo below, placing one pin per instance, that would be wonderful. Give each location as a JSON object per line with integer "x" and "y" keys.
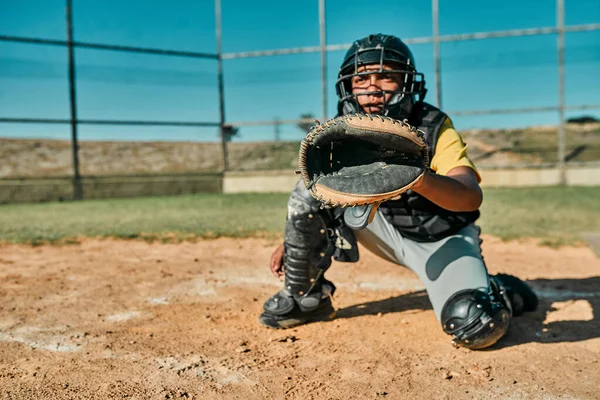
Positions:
{"x": 81, "y": 157}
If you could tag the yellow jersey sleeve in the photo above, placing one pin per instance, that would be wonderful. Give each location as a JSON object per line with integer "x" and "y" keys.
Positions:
{"x": 450, "y": 151}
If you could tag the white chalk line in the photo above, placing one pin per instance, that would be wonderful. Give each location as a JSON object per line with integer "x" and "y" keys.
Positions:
{"x": 402, "y": 285}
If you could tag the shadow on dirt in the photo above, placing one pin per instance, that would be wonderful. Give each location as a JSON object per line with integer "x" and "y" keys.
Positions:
{"x": 529, "y": 327}
{"x": 409, "y": 301}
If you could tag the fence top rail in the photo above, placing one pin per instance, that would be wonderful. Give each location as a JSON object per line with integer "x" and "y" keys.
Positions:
{"x": 301, "y": 50}
{"x": 101, "y": 46}
{"x": 420, "y": 40}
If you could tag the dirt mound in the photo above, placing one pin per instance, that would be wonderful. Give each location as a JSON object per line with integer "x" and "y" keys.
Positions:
{"x": 490, "y": 147}
{"x": 42, "y": 158}
{"x": 127, "y": 319}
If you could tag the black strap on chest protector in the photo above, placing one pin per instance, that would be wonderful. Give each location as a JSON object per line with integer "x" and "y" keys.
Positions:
{"x": 429, "y": 119}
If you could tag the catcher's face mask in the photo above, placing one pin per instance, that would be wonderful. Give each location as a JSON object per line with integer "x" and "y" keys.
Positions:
{"x": 386, "y": 57}
{"x": 373, "y": 87}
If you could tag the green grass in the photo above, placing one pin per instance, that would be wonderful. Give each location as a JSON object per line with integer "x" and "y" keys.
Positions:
{"x": 555, "y": 215}
{"x": 162, "y": 218}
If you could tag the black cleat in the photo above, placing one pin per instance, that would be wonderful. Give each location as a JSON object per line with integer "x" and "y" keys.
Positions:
{"x": 324, "y": 312}
{"x": 522, "y": 298}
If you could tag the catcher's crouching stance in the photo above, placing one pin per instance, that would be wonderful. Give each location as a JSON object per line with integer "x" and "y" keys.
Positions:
{"x": 391, "y": 173}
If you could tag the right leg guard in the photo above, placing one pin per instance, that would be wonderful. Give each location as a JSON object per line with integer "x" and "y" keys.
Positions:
{"x": 308, "y": 247}
{"x": 476, "y": 319}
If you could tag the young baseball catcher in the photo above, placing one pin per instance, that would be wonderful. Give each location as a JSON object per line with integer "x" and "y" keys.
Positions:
{"x": 391, "y": 173}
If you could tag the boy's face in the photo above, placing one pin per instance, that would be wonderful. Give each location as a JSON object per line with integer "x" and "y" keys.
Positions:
{"x": 374, "y": 103}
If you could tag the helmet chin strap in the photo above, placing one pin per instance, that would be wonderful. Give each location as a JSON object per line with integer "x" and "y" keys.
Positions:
{"x": 348, "y": 107}
{"x": 399, "y": 106}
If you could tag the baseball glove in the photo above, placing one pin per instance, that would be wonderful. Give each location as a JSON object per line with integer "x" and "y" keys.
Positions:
{"x": 361, "y": 159}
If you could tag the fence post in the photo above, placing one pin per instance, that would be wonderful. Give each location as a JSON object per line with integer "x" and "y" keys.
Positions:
{"x": 77, "y": 190}
{"x": 435, "y": 13}
{"x": 218, "y": 33}
{"x": 560, "y": 42}
{"x": 323, "y": 43}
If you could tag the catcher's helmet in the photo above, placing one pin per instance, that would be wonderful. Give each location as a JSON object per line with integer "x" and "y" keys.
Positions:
{"x": 381, "y": 49}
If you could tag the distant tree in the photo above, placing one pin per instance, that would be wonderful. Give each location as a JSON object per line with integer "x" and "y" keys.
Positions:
{"x": 307, "y": 123}
{"x": 584, "y": 119}
{"x": 230, "y": 131}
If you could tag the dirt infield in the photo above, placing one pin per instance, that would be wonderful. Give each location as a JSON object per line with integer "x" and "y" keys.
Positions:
{"x": 127, "y": 319}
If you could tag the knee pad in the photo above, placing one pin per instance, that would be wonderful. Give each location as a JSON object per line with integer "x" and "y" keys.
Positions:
{"x": 475, "y": 318}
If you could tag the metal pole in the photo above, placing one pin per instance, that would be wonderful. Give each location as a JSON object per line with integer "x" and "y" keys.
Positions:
{"x": 323, "y": 43}
{"x": 560, "y": 42}
{"x": 77, "y": 190}
{"x": 220, "y": 79}
{"x": 277, "y": 129}
{"x": 436, "y": 51}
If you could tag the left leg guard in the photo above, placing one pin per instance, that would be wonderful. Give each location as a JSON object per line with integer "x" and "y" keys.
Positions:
{"x": 309, "y": 244}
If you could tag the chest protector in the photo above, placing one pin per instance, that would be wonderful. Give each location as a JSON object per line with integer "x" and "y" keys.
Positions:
{"x": 413, "y": 215}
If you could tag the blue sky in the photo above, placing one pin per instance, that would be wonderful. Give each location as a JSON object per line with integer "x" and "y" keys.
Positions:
{"x": 493, "y": 73}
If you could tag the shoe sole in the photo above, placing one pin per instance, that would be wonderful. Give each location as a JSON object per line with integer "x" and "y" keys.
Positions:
{"x": 271, "y": 322}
